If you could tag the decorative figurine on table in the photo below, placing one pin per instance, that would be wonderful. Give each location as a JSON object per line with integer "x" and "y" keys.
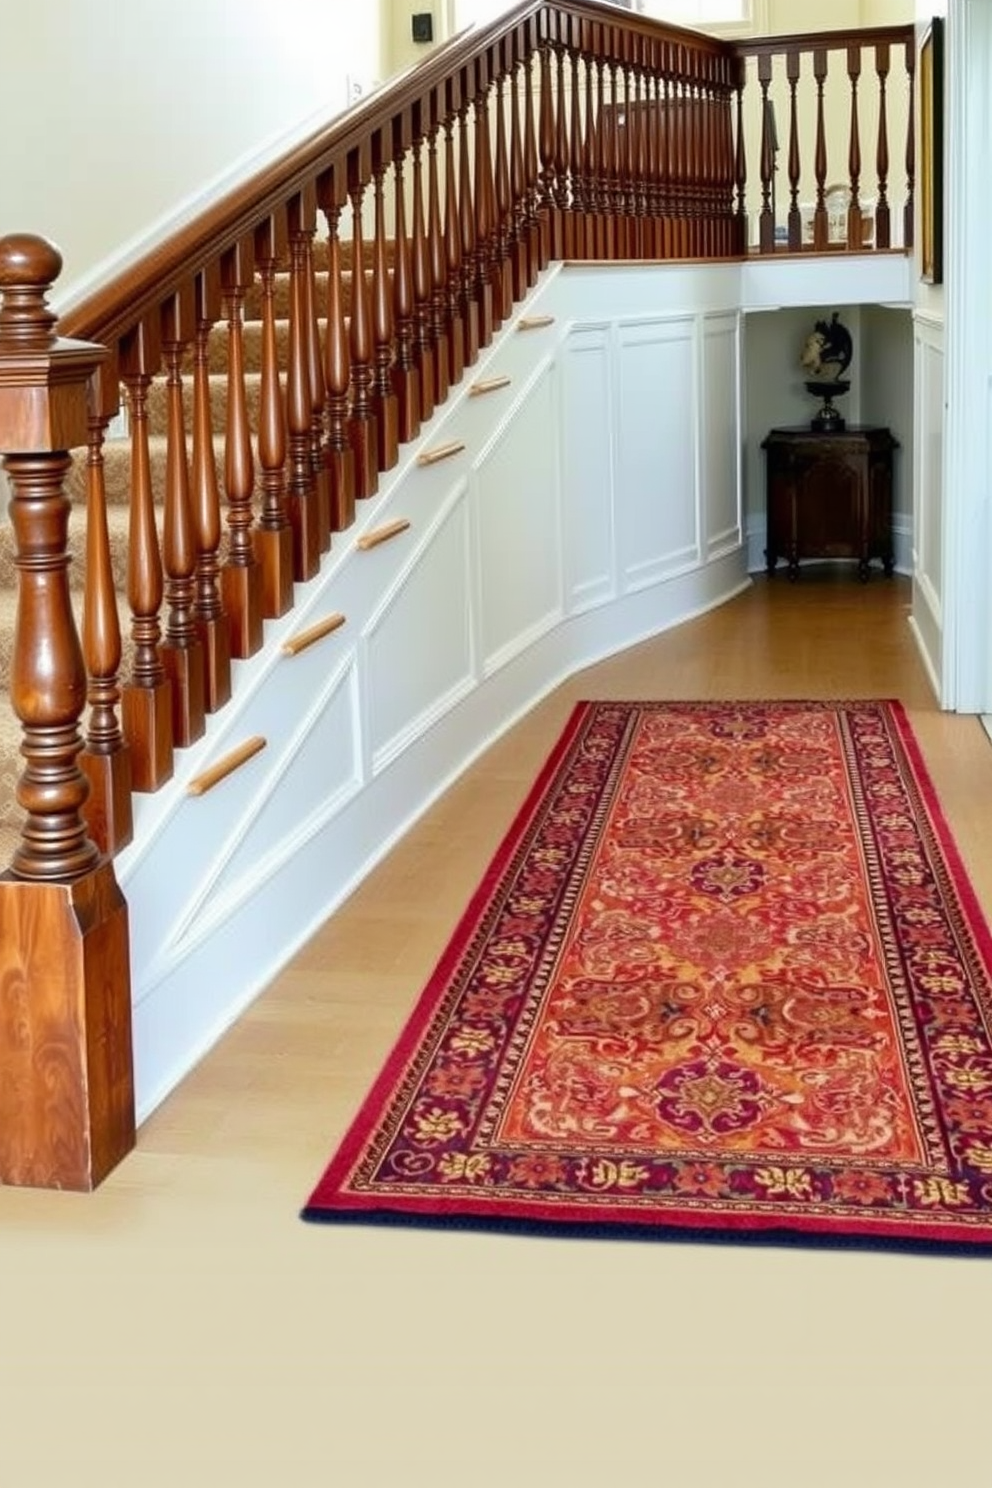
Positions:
{"x": 826, "y": 357}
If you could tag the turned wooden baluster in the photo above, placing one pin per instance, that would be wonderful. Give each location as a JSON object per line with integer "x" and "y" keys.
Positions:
{"x": 625, "y": 168}
{"x": 854, "y": 230}
{"x": 793, "y": 61}
{"x": 241, "y": 576}
{"x": 420, "y": 258}
{"x": 740, "y": 161}
{"x": 484, "y": 206}
{"x": 575, "y": 230}
{"x": 651, "y": 137}
{"x": 273, "y": 535}
{"x": 560, "y": 220}
{"x": 466, "y": 220}
{"x": 532, "y": 176}
{"x": 820, "y": 226}
{"x": 438, "y": 263}
{"x": 338, "y": 454}
{"x": 318, "y": 392}
{"x": 212, "y": 622}
{"x": 453, "y": 236}
{"x": 766, "y": 220}
{"x": 613, "y": 146}
{"x": 302, "y": 500}
{"x": 363, "y": 431}
{"x": 383, "y": 397}
{"x": 634, "y": 160}
{"x": 518, "y": 180}
{"x": 908, "y": 220}
{"x": 181, "y": 652}
{"x": 66, "y": 1086}
{"x": 146, "y": 699}
{"x": 406, "y": 373}
{"x": 106, "y": 758}
{"x": 727, "y": 177}
{"x": 588, "y": 155}
{"x": 502, "y": 259}
{"x": 600, "y": 134}
{"x": 546, "y": 209}
{"x": 666, "y": 156}
{"x": 883, "y": 224}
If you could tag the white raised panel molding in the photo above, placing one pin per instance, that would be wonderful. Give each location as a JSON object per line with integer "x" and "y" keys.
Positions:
{"x": 418, "y": 644}
{"x": 928, "y": 495}
{"x": 966, "y": 631}
{"x": 587, "y": 462}
{"x": 657, "y": 478}
{"x": 570, "y": 526}
{"x": 516, "y": 505}
{"x": 720, "y": 437}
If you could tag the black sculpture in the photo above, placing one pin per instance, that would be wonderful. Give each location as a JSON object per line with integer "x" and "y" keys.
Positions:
{"x": 827, "y": 355}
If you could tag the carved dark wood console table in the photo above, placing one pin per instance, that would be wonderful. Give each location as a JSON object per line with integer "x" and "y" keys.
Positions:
{"x": 829, "y": 496}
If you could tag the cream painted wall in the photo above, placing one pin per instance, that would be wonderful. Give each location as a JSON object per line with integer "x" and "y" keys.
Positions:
{"x": 144, "y": 107}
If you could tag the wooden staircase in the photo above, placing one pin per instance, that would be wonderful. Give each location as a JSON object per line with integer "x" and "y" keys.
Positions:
{"x": 266, "y": 387}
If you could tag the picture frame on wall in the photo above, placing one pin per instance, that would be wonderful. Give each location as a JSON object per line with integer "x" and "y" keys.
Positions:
{"x": 931, "y": 183}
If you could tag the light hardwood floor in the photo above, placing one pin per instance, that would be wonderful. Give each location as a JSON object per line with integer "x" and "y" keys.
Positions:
{"x": 183, "y": 1326}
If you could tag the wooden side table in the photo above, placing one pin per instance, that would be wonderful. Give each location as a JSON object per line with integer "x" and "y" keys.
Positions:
{"x": 829, "y": 496}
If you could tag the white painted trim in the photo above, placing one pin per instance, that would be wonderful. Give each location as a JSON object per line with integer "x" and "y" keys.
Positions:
{"x": 967, "y": 536}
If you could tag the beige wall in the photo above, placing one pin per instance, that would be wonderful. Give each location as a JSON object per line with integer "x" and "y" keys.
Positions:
{"x": 142, "y": 108}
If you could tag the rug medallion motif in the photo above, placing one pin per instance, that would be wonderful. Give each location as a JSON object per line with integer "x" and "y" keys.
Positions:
{"x": 725, "y": 976}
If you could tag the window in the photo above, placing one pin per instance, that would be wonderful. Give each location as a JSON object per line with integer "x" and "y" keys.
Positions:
{"x": 723, "y": 15}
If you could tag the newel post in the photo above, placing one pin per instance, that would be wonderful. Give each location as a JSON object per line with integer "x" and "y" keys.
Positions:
{"x": 66, "y": 1088}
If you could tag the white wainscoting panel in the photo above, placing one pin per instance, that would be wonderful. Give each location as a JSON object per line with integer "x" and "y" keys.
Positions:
{"x": 516, "y": 502}
{"x": 587, "y": 460}
{"x": 928, "y": 494}
{"x": 418, "y": 644}
{"x": 657, "y": 509}
{"x": 595, "y": 502}
{"x": 720, "y": 433}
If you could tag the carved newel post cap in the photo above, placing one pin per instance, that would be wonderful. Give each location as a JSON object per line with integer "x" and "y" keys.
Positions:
{"x": 44, "y": 378}
{"x": 29, "y": 266}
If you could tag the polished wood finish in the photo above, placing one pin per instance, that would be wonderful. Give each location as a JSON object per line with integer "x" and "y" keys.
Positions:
{"x": 829, "y": 496}
{"x": 181, "y": 651}
{"x": 211, "y": 619}
{"x": 146, "y": 700}
{"x": 302, "y": 499}
{"x": 106, "y": 758}
{"x": 66, "y": 1088}
{"x": 454, "y": 266}
{"x": 362, "y": 425}
{"x": 406, "y": 372}
{"x": 423, "y": 335}
{"x": 379, "y": 535}
{"x": 66, "y": 1084}
{"x": 304, "y": 639}
{"x": 338, "y": 454}
{"x": 273, "y": 534}
{"x": 241, "y": 576}
{"x": 231, "y": 761}
{"x": 384, "y": 399}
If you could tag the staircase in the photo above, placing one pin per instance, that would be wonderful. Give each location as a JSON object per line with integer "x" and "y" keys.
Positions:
{"x": 283, "y": 482}
{"x": 117, "y": 458}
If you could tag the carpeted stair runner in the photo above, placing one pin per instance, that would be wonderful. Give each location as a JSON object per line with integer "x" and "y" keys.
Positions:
{"x": 117, "y": 461}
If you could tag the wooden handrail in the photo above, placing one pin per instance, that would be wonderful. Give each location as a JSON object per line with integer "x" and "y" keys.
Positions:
{"x": 827, "y": 41}
{"x": 107, "y": 313}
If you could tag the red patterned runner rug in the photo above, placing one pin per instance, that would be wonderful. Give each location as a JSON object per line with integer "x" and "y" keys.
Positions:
{"x": 726, "y": 978}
